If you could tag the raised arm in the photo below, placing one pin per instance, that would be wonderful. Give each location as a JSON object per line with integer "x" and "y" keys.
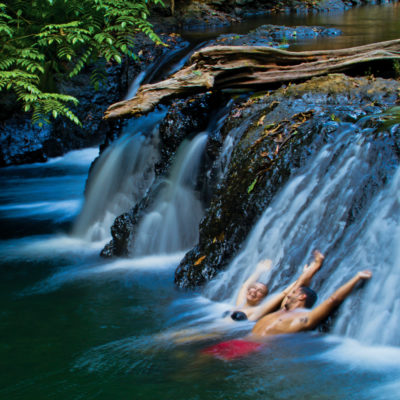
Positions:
{"x": 261, "y": 267}
{"x": 321, "y": 312}
{"x": 280, "y": 299}
{"x": 267, "y": 307}
{"x": 310, "y": 270}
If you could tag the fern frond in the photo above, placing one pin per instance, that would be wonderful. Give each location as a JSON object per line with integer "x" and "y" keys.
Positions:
{"x": 81, "y": 62}
{"x": 42, "y": 37}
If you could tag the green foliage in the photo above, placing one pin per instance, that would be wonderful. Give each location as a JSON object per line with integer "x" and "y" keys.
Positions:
{"x": 390, "y": 117}
{"x": 251, "y": 186}
{"x": 40, "y": 38}
{"x": 396, "y": 68}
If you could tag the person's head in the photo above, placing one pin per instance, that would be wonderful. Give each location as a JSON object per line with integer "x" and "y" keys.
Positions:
{"x": 311, "y": 296}
{"x": 256, "y": 292}
{"x": 301, "y": 297}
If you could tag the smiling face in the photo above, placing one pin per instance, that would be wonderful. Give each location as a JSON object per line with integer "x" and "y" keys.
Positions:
{"x": 255, "y": 293}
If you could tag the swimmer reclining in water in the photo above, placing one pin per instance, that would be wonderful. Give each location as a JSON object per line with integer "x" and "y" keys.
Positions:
{"x": 294, "y": 317}
{"x": 252, "y": 292}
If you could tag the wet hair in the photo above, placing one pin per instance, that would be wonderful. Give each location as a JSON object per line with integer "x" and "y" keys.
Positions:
{"x": 239, "y": 316}
{"x": 311, "y": 296}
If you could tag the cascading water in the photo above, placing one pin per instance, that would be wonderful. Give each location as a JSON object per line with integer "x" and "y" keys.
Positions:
{"x": 120, "y": 177}
{"x": 135, "y": 85}
{"x": 375, "y": 246}
{"x": 161, "y": 68}
{"x": 172, "y": 223}
{"x": 312, "y": 211}
{"x": 125, "y": 170}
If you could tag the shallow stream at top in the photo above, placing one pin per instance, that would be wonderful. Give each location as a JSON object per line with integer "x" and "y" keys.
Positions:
{"x": 76, "y": 326}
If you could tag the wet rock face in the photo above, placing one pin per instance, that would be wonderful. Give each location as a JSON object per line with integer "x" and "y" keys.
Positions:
{"x": 275, "y": 134}
{"x": 20, "y": 143}
{"x": 184, "y": 119}
{"x": 121, "y": 231}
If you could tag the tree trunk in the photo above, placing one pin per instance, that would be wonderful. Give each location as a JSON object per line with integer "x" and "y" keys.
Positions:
{"x": 232, "y": 67}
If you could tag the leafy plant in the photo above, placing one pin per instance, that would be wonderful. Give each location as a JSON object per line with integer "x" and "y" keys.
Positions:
{"x": 390, "y": 117}
{"x": 40, "y": 38}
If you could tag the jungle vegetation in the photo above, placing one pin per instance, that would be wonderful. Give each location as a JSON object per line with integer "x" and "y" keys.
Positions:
{"x": 41, "y": 38}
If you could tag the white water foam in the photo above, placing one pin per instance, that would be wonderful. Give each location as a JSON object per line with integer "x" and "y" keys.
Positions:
{"x": 120, "y": 177}
{"x": 82, "y": 157}
{"x": 75, "y": 157}
{"x": 47, "y": 247}
{"x": 104, "y": 270}
{"x": 44, "y": 209}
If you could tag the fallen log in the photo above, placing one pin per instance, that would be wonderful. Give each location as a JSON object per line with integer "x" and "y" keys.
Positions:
{"x": 231, "y": 67}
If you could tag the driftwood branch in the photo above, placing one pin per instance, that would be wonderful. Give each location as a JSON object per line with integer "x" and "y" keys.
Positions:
{"x": 223, "y": 67}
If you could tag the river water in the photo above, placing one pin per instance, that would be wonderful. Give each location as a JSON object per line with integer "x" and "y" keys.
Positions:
{"x": 75, "y": 326}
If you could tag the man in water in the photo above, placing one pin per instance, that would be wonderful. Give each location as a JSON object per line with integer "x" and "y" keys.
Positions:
{"x": 294, "y": 316}
{"x": 249, "y": 301}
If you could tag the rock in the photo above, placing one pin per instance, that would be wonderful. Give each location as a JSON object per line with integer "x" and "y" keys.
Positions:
{"x": 274, "y": 36}
{"x": 121, "y": 232}
{"x": 275, "y": 134}
{"x": 242, "y": 2}
{"x": 23, "y": 143}
{"x": 184, "y": 118}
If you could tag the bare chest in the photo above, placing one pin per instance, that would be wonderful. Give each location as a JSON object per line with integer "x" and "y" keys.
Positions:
{"x": 279, "y": 323}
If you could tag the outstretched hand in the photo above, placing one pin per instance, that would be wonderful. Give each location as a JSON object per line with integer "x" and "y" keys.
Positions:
{"x": 317, "y": 262}
{"x": 318, "y": 256}
{"x": 366, "y": 274}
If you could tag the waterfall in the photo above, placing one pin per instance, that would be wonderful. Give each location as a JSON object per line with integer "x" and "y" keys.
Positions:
{"x": 162, "y": 67}
{"x": 172, "y": 223}
{"x": 377, "y": 246}
{"x": 315, "y": 209}
{"x": 135, "y": 85}
{"x": 120, "y": 177}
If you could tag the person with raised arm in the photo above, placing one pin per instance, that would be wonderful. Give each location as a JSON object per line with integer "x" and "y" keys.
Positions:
{"x": 251, "y": 294}
{"x": 294, "y": 316}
